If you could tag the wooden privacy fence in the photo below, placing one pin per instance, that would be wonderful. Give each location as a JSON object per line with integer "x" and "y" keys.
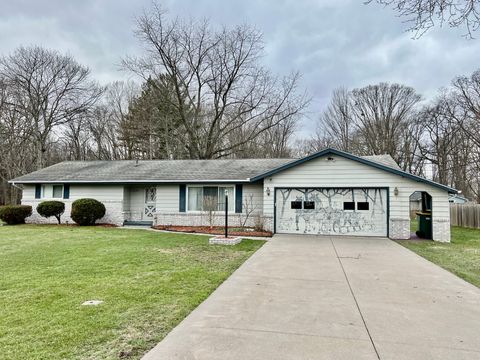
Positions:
{"x": 465, "y": 215}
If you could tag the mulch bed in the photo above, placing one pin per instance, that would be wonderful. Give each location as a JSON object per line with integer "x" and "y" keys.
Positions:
{"x": 215, "y": 230}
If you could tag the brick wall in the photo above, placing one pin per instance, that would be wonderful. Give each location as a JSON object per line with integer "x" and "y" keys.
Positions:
{"x": 113, "y": 215}
{"x": 441, "y": 230}
{"x": 399, "y": 228}
{"x": 202, "y": 219}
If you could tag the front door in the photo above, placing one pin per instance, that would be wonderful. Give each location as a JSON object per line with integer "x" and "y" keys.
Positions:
{"x": 150, "y": 203}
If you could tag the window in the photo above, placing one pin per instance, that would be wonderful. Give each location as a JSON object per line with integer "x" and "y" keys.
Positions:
{"x": 309, "y": 205}
{"x": 57, "y": 192}
{"x": 210, "y": 198}
{"x": 363, "y": 205}
{"x": 348, "y": 205}
{"x": 150, "y": 195}
{"x": 296, "y": 205}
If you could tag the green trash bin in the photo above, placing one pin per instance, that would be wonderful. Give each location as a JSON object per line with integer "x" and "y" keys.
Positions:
{"x": 424, "y": 225}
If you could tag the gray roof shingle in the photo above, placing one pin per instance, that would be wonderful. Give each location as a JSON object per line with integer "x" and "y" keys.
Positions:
{"x": 152, "y": 171}
{"x": 129, "y": 171}
{"x": 384, "y": 159}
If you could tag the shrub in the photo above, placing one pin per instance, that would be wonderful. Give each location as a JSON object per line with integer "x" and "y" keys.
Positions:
{"x": 15, "y": 214}
{"x": 51, "y": 208}
{"x": 87, "y": 211}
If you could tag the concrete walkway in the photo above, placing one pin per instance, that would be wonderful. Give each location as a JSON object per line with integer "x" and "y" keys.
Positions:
{"x": 307, "y": 297}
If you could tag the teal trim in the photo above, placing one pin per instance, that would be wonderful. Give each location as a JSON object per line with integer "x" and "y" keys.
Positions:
{"x": 238, "y": 198}
{"x": 182, "y": 206}
{"x": 66, "y": 191}
{"x": 38, "y": 191}
{"x": 388, "y": 212}
{"x": 354, "y": 158}
{"x": 138, "y": 223}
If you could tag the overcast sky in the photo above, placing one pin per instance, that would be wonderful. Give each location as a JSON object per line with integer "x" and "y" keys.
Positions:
{"x": 331, "y": 42}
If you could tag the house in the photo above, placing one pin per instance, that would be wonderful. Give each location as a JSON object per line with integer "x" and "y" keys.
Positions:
{"x": 457, "y": 199}
{"x": 329, "y": 192}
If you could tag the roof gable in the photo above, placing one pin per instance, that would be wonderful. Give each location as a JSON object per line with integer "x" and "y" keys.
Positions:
{"x": 382, "y": 165}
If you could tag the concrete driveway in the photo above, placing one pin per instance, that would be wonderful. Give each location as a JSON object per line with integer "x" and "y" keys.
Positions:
{"x": 311, "y": 297}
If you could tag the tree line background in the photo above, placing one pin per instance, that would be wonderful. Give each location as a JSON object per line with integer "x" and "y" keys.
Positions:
{"x": 204, "y": 94}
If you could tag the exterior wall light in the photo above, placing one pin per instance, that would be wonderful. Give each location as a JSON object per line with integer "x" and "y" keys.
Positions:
{"x": 395, "y": 191}
{"x": 268, "y": 191}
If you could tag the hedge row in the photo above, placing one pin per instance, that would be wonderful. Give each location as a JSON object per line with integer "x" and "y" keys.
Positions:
{"x": 84, "y": 211}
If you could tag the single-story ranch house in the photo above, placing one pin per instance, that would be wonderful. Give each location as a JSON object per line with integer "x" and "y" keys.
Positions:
{"x": 330, "y": 192}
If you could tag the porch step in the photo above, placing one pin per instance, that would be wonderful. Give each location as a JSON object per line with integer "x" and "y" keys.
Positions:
{"x": 138, "y": 223}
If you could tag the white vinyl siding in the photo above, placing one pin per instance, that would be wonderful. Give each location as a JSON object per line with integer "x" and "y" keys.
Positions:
{"x": 348, "y": 173}
{"x": 99, "y": 192}
{"x": 168, "y": 198}
{"x": 28, "y": 192}
{"x": 253, "y": 195}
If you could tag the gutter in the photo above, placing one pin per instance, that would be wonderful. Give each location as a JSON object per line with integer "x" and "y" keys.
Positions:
{"x": 61, "y": 181}
{"x": 15, "y": 185}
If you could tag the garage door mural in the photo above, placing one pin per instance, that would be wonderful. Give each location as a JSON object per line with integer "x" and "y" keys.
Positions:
{"x": 343, "y": 211}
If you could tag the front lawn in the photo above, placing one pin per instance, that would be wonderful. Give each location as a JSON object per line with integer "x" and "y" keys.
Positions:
{"x": 461, "y": 256}
{"x": 148, "y": 283}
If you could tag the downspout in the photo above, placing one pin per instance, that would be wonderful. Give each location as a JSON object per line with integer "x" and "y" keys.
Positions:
{"x": 18, "y": 187}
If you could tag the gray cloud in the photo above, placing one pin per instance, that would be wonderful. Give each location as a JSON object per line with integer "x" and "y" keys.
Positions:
{"x": 331, "y": 42}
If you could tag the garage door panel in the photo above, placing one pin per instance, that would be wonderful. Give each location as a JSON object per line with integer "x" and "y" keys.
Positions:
{"x": 344, "y": 211}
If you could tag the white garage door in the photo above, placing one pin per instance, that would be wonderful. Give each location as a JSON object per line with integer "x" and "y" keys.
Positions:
{"x": 344, "y": 211}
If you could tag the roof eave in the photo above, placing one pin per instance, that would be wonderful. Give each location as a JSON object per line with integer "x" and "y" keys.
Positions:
{"x": 19, "y": 181}
{"x": 358, "y": 159}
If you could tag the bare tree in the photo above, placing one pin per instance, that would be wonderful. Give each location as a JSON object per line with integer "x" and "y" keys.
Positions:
{"x": 210, "y": 206}
{"x": 466, "y": 92}
{"x": 376, "y": 119}
{"x": 49, "y": 90}
{"x": 422, "y": 15}
{"x": 107, "y": 119}
{"x": 382, "y": 113}
{"x": 249, "y": 207}
{"x": 218, "y": 82}
{"x": 337, "y": 121}
{"x": 441, "y": 137}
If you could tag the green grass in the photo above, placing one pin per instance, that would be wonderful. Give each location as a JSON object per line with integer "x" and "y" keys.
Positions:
{"x": 461, "y": 256}
{"x": 413, "y": 226}
{"x": 148, "y": 281}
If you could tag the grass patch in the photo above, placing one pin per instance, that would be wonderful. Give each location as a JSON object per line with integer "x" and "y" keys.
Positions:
{"x": 461, "y": 256}
{"x": 148, "y": 281}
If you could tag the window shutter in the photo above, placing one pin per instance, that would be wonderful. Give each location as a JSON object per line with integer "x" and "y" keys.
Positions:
{"x": 66, "y": 191}
{"x": 238, "y": 198}
{"x": 183, "y": 198}
{"x": 38, "y": 191}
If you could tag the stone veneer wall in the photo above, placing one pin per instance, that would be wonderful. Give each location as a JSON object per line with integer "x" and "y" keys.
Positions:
{"x": 441, "y": 230}
{"x": 399, "y": 228}
{"x": 113, "y": 215}
{"x": 201, "y": 219}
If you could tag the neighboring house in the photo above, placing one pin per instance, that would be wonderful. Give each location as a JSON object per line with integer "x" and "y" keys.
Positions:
{"x": 457, "y": 199}
{"x": 416, "y": 202}
{"x": 330, "y": 192}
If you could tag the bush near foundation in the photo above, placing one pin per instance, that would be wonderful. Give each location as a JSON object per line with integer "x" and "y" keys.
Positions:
{"x": 51, "y": 208}
{"x": 87, "y": 211}
{"x": 15, "y": 214}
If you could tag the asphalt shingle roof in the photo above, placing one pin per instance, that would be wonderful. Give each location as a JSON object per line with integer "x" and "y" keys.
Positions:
{"x": 153, "y": 170}
{"x": 125, "y": 171}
